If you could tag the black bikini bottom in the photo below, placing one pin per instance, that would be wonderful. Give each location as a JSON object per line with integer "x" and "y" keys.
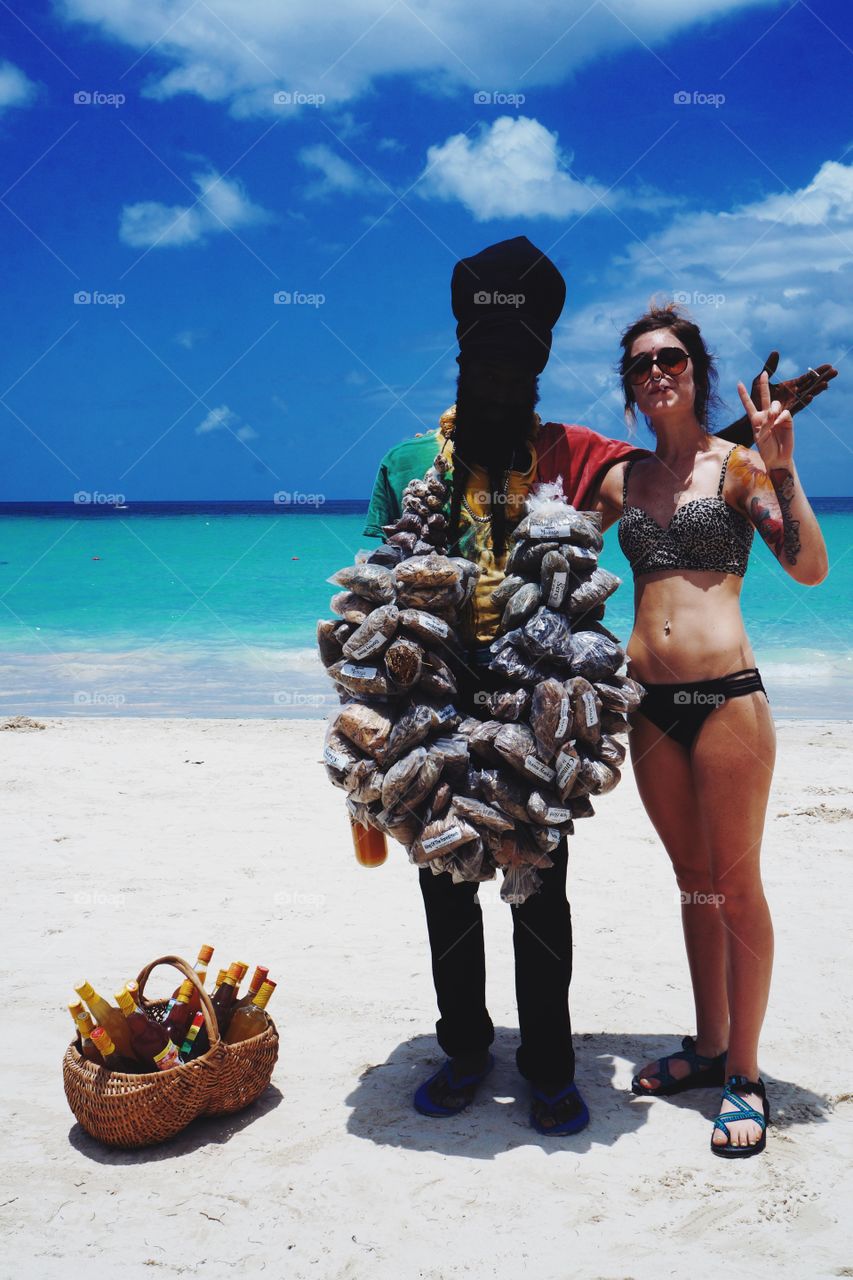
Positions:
{"x": 680, "y": 710}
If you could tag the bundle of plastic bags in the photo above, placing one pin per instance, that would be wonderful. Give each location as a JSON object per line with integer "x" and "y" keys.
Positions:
{"x": 470, "y": 796}
{"x": 555, "y": 736}
{"x": 393, "y": 654}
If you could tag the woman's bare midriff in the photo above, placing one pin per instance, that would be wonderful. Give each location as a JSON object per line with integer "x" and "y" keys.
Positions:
{"x": 688, "y": 626}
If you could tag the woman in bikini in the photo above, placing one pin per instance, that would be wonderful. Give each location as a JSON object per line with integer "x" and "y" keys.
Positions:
{"x": 703, "y": 740}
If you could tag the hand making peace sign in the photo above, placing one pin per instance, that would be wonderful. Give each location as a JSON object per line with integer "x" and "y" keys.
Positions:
{"x": 772, "y": 426}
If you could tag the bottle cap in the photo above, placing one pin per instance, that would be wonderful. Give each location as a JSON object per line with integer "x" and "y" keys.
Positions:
{"x": 75, "y": 1008}
{"x": 258, "y": 977}
{"x": 125, "y": 1001}
{"x": 267, "y": 988}
{"x": 102, "y": 1042}
{"x": 220, "y": 977}
{"x": 237, "y": 972}
{"x": 183, "y": 996}
{"x": 85, "y": 990}
{"x": 204, "y": 954}
{"x": 133, "y": 988}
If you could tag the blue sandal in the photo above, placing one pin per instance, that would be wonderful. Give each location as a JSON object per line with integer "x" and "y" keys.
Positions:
{"x": 573, "y": 1125}
{"x": 742, "y": 1111}
{"x": 465, "y": 1087}
{"x": 704, "y": 1072}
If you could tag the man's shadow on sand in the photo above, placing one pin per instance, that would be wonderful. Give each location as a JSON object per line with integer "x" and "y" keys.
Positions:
{"x": 498, "y": 1121}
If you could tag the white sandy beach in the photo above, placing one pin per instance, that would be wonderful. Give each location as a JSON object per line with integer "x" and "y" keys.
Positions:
{"x": 128, "y": 838}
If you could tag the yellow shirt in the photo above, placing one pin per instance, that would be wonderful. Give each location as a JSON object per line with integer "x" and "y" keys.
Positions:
{"x": 481, "y": 618}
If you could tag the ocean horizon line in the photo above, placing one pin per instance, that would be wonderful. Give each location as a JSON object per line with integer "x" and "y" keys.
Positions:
{"x": 287, "y": 503}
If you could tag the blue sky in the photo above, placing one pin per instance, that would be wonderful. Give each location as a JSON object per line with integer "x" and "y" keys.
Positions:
{"x": 184, "y": 163}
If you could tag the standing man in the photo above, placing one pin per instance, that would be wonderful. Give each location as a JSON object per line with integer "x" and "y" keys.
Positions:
{"x": 506, "y": 300}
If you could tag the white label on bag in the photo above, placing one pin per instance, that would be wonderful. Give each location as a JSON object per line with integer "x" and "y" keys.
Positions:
{"x": 590, "y": 708}
{"x": 374, "y": 642}
{"x": 538, "y": 769}
{"x": 566, "y": 769}
{"x": 558, "y": 584}
{"x": 551, "y": 529}
{"x": 335, "y": 759}
{"x": 446, "y": 713}
{"x": 359, "y": 673}
{"x": 558, "y": 815}
{"x": 438, "y": 842}
{"x": 435, "y": 625}
{"x": 563, "y": 722}
{"x": 584, "y": 553}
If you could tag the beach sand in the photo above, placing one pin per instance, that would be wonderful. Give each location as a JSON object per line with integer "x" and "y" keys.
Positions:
{"x": 126, "y": 839}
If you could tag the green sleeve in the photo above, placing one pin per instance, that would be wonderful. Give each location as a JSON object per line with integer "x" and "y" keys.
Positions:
{"x": 383, "y": 508}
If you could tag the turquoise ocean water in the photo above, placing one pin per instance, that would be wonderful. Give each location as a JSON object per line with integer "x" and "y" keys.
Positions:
{"x": 128, "y": 612}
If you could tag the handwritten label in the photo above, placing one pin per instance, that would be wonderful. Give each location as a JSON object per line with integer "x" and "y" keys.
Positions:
{"x": 355, "y": 672}
{"x": 374, "y": 642}
{"x": 538, "y": 769}
{"x": 335, "y": 759}
{"x": 558, "y": 588}
{"x": 558, "y": 815}
{"x": 438, "y": 842}
{"x": 590, "y": 707}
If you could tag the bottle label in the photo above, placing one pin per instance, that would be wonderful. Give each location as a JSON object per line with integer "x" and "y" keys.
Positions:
{"x": 558, "y": 587}
{"x": 438, "y": 842}
{"x": 538, "y": 769}
{"x": 374, "y": 642}
{"x": 167, "y": 1058}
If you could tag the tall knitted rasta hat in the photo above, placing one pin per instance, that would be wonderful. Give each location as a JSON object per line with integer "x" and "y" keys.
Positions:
{"x": 506, "y": 300}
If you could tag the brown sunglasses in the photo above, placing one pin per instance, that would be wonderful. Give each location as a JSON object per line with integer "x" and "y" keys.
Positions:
{"x": 669, "y": 360}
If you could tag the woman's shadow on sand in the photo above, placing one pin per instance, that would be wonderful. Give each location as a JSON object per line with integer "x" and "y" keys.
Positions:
{"x": 497, "y": 1121}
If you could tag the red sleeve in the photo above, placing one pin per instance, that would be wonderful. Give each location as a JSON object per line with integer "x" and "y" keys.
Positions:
{"x": 580, "y": 457}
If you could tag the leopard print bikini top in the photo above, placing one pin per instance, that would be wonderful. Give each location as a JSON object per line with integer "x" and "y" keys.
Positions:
{"x": 704, "y": 533}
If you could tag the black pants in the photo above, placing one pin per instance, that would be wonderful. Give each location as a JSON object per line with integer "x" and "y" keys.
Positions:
{"x": 542, "y": 941}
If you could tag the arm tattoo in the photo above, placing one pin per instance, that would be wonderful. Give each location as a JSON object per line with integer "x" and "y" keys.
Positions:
{"x": 769, "y": 506}
{"x": 783, "y": 483}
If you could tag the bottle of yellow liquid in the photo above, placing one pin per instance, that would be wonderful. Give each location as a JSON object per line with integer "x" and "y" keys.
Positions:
{"x": 84, "y": 1026}
{"x": 108, "y": 1017}
{"x": 150, "y": 1040}
{"x": 259, "y": 977}
{"x": 251, "y": 1019}
{"x": 201, "y": 966}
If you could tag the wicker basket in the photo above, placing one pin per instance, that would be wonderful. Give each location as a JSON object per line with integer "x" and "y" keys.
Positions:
{"x": 139, "y": 1110}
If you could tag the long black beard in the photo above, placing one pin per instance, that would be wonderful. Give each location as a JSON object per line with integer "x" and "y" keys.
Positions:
{"x": 487, "y": 435}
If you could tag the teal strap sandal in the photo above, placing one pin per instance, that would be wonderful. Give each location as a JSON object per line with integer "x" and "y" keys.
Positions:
{"x": 735, "y": 1086}
{"x": 704, "y": 1073}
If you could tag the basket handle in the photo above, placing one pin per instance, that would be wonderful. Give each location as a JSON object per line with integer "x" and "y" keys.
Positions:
{"x": 181, "y": 965}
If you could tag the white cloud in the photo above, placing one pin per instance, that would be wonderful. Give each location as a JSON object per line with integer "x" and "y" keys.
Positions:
{"x": 777, "y": 273}
{"x": 514, "y": 168}
{"x": 243, "y": 53}
{"x": 219, "y": 419}
{"x": 336, "y": 173}
{"x": 16, "y": 89}
{"x": 222, "y": 206}
{"x": 222, "y": 418}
